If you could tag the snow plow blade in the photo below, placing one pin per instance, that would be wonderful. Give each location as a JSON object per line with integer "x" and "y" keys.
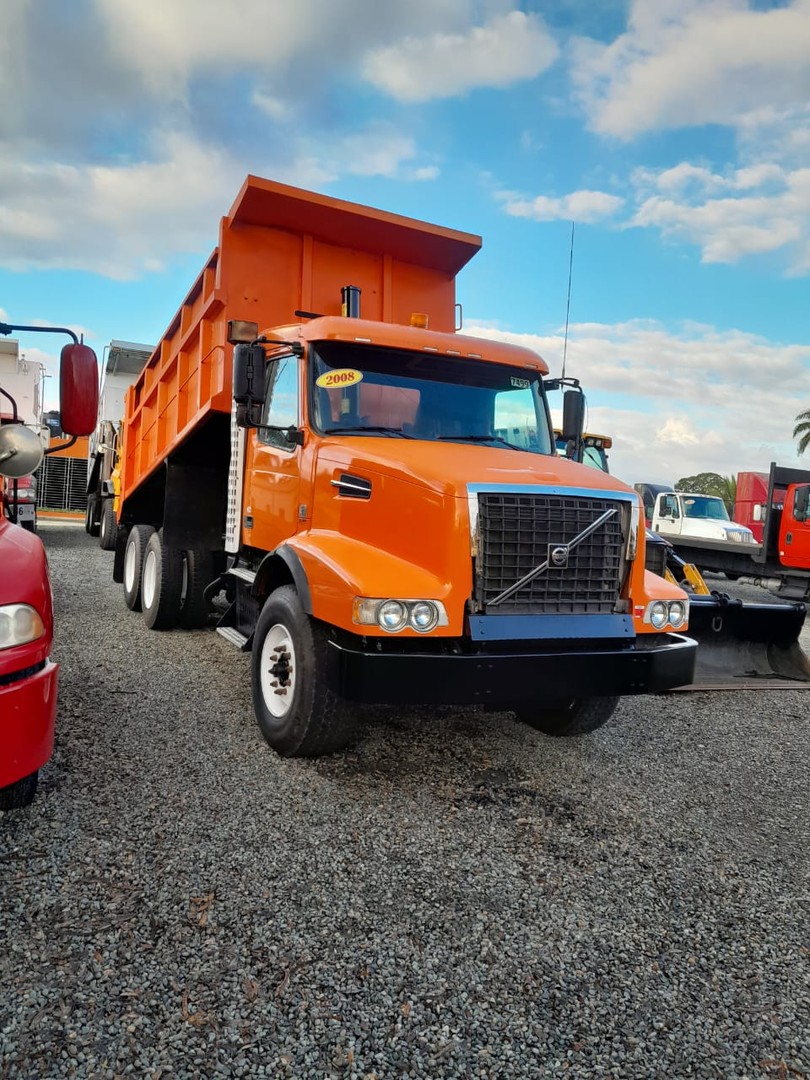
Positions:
{"x": 747, "y": 646}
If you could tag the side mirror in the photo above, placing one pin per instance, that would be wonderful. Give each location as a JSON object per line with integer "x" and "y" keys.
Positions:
{"x": 573, "y": 417}
{"x": 249, "y": 371}
{"x": 801, "y": 502}
{"x": 78, "y": 390}
{"x": 756, "y": 512}
{"x": 21, "y": 451}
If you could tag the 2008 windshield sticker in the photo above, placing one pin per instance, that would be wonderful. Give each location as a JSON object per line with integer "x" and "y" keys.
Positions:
{"x": 340, "y": 377}
{"x": 520, "y": 383}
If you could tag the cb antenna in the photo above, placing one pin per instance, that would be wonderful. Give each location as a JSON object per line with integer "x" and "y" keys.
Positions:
{"x": 568, "y": 302}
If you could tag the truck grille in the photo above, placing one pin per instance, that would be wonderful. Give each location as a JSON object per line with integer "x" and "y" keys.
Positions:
{"x": 515, "y": 532}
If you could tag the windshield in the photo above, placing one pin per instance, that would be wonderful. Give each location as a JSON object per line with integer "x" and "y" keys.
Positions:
{"x": 366, "y": 389}
{"x": 594, "y": 456}
{"x": 705, "y": 506}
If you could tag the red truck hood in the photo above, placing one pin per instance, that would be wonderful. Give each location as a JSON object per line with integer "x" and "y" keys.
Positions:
{"x": 23, "y": 569}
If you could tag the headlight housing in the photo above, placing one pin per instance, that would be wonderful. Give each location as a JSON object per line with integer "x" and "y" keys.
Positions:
{"x": 662, "y": 613}
{"x": 393, "y": 615}
{"x": 19, "y": 624}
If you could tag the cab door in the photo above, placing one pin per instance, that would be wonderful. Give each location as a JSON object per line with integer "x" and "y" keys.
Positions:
{"x": 794, "y": 532}
{"x": 271, "y": 505}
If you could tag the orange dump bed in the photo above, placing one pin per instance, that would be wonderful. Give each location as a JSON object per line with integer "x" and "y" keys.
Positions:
{"x": 282, "y": 250}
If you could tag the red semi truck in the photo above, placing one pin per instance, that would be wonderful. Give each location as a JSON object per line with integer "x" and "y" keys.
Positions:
{"x": 28, "y": 677}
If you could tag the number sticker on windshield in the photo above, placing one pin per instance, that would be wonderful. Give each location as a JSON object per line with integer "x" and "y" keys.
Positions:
{"x": 340, "y": 377}
{"x": 521, "y": 384}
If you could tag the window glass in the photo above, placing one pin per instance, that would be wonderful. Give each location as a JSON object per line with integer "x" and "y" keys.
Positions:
{"x": 364, "y": 389}
{"x": 281, "y": 403}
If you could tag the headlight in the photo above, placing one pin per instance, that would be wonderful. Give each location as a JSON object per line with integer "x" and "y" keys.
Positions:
{"x": 394, "y": 615}
{"x": 423, "y": 616}
{"x": 678, "y": 613}
{"x": 659, "y": 613}
{"x": 19, "y": 624}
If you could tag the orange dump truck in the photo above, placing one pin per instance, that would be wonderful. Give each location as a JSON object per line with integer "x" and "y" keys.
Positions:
{"x": 373, "y": 500}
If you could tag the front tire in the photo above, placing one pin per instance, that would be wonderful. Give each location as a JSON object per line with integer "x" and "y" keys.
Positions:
{"x": 161, "y": 583}
{"x": 19, "y": 794}
{"x": 297, "y": 713}
{"x": 134, "y": 552}
{"x": 577, "y": 716}
{"x": 109, "y": 527}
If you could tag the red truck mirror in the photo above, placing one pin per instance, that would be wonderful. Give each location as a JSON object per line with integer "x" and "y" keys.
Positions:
{"x": 78, "y": 390}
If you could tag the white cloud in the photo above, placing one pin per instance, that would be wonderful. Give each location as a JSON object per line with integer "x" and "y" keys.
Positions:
{"x": 696, "y": 62}
{"x": 508, "y": 49}
{"x": 584, "y": 206}
{"x": 673, "y": 402}
{"x": 748, "y": 211}
{"x": 133, "y": 218}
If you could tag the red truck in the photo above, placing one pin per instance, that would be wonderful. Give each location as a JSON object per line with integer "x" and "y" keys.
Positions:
{"x": 28, "y": 677}
{"x": 781, "y": 560}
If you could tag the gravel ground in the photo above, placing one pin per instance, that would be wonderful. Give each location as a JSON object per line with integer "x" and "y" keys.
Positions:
{"x": 458, "y": 896}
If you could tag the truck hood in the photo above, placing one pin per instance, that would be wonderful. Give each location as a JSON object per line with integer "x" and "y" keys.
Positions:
{"x": 23, "y": 568}
{"x": 447, "y": 468}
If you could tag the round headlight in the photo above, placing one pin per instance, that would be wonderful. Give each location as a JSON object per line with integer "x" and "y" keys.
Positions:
{"x": 677, "y": 613}
{"x": 659, "y": 614}
{"x": 424, "y": 616}
{"x": 392, "y": 615}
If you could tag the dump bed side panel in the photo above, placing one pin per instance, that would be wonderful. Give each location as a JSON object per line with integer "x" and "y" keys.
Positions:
{"x": 280, "y": 251}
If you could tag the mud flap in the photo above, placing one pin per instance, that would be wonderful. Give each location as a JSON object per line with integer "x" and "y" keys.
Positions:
{"x": 745, "y": 646}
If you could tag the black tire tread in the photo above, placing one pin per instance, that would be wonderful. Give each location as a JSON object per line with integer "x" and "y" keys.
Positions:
{"x": 193, "y": 613}
{"x": 19, "y": 794}
{"x": 163, "y": 613}
{"x": 138, "y": 534}
{"x": 108, "y": 528}
{"x": 578, "y": 716}
{"x": 327, "y": 728}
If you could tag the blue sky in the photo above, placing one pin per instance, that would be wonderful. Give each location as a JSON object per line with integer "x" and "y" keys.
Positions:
{"x": 675, "y": 134}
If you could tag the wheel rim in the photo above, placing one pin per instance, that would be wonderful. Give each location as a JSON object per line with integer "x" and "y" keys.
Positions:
{"x": 129, "y": 568}
{"x": 149, "y": 579}
{"x": 278, "y": 671}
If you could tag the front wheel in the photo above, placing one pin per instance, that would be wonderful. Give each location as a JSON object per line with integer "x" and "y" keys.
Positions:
{"x": 297, "y": 713}
{"x": 576, "y": 716}
{"x": 20, "y": 793}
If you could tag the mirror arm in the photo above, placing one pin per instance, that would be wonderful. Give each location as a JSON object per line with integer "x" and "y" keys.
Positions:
{"x": 8, "y": 328}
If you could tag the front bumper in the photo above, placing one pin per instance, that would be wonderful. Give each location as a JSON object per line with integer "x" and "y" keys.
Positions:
{"x": 27, "y": 719}
{"x": 504, "y": 678}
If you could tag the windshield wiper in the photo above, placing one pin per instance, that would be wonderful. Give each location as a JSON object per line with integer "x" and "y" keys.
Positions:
{"x": 479, "y": 438}
{"x": 377, "y": 429}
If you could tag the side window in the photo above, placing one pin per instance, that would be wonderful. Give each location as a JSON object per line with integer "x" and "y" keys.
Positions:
{"x": 281, "y": 403}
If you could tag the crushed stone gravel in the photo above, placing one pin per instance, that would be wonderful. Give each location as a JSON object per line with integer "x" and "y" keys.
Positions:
{"x": 455, "y": 896}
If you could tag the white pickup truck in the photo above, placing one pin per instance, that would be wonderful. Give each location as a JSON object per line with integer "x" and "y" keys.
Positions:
{"x": 682, "y": 513}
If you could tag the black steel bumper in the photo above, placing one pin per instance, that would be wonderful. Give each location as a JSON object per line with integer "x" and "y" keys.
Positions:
{"x": 504, "y": 679}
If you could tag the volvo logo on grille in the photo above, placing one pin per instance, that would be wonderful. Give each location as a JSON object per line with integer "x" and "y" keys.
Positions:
{"x": 558, "y": 555}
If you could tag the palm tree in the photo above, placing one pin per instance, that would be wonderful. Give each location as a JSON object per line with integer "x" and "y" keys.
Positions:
{"x": 728, "y": 492}
{"x": 802, "y": 430}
